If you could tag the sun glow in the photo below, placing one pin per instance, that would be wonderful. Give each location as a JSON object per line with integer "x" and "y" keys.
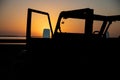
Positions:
{"x": 38, "y": 24}
{"x": 13, "y": 16}
{"x": 73, "y": 25}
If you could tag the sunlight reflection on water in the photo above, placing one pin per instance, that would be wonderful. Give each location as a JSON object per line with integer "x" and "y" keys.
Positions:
{"x": 12, "y": 38}
{"x": 12, "y": 43}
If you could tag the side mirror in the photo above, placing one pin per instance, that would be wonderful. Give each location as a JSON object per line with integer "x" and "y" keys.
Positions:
{"x": 46, "y": 33}
{"x": 107, "y": 34}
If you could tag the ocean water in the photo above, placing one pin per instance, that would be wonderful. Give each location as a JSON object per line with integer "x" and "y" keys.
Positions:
{"x": 22, "y": 38}
{"x": 3, "y": 40}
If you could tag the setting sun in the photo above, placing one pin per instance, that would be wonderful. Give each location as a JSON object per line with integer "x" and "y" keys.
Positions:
{"x": 38, "y": 24}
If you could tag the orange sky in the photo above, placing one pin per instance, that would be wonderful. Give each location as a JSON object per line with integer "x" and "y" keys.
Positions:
{"x": 13, "y": 13}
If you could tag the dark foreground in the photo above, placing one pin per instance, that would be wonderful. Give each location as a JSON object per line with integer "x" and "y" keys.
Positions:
{"x": 20, "y": 63}
{"x": 17, "y": 64}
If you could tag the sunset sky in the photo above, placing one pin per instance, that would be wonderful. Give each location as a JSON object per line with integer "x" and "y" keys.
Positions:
{"x": 13, "y": 13}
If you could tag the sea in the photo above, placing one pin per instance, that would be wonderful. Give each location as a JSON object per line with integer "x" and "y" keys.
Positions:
{"x": 10, "y": 40}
